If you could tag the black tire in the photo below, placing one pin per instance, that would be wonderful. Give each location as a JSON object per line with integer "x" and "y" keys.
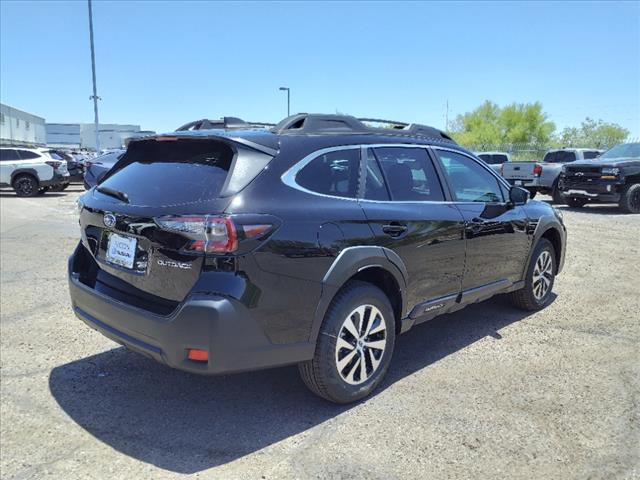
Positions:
{"x": 575, "y": 202}
{"x": 527, "y": 298}
{"x": 532, "y": 193}
{"x": 59, "y": 188}
{"x": 321, "y": 374}
{"x": 556, "y": 194}
{"x": 630, "y": 198}
{"x": 25, "y": 185}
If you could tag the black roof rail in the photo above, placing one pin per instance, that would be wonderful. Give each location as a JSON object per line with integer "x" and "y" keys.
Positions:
{"x": 316, "y": 123}
{"x": 224, "y": 122}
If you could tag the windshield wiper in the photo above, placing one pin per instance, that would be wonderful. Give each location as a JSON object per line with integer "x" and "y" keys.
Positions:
{"x": 114, "y": 193}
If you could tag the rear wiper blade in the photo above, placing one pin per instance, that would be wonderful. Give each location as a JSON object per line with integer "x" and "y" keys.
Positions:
{"x": 114, "y": 193}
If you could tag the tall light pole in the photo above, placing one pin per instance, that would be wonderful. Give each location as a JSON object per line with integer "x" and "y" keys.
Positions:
{"x": 288, "y": 99}
{"x": 94, "y": 97}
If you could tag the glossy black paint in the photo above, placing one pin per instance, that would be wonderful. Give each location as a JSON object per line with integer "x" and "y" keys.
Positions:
{"x": 437, "y": 256}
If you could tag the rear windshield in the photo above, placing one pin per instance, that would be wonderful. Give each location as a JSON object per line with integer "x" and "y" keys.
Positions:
{"x": 493, "y": 158}
{"x": 589, "y": 155}
{"x": 175, "y": 172}
{"x": 559, "y": 157}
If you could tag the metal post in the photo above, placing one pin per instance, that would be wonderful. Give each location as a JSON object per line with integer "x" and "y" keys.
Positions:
{"x": 94, "y": 97}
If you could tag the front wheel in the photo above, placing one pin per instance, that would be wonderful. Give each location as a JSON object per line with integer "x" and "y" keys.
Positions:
{"x": 556, "y": 195}
{"x": 540, "y": 276}
{"x": 354, "y": 347}
{"x": 575, "y": 202}
{"x": 630, "y": 199}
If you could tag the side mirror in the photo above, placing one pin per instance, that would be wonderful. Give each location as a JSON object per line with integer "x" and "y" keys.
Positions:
{"x": 518, "y": 196}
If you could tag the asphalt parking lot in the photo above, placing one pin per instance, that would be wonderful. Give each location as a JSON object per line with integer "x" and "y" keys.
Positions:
{"x": 487, "y": 392}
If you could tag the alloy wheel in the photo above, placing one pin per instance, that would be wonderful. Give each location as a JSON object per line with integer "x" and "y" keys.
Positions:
{"x": 542, "y": 275}
{"x": 24, "y": 186}
{"x": 360, "y": 344}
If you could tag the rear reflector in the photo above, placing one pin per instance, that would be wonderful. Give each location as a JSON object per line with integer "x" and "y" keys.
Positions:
{"x": 198, "y": 355}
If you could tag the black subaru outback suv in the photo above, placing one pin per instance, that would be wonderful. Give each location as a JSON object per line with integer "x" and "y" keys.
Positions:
{"x": 316, "y": 242}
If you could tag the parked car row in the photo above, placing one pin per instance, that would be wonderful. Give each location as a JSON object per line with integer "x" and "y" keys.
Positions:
{"x": 33, "y": 171}
{"x": 590, "y": 175}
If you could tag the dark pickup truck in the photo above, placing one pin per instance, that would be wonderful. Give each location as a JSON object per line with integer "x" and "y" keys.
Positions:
{"x": 612, "y": 177}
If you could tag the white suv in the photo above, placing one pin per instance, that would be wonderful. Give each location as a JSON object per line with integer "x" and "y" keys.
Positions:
{"x": 30, "y": 171}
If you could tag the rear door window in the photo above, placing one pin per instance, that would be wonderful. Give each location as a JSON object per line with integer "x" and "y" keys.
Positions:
{"x": 27, "y": 155}
{"x": 182, "y": 171}
{"x": 591, "y": 154}
{"x": 409, "y": 174}
{"x": 335, "y": 173}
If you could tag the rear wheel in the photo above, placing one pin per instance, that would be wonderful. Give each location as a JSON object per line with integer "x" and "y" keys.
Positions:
{"x": 539, "y": 279}
{"x": 575, "y": 202}
{"x": 630, "y": 199}
{"x": 355, "y": 345}
{"x": 25, "y": 185}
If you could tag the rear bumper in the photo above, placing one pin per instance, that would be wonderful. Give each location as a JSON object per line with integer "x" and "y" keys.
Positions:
{"x": 58, "y": 179}
{"x": 220, "y": 325}
{"x": 522, "y": 183}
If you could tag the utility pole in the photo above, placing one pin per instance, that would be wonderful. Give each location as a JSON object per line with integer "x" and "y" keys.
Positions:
{"x": 94, "y": 97}
{"x": 446, "y": 118}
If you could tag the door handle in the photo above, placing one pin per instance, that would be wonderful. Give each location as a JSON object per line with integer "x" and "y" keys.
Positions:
{"x": 394, "y": 229}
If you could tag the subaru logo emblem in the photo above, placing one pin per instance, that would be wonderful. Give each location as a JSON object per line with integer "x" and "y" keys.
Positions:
{"x": 109, "y": 220}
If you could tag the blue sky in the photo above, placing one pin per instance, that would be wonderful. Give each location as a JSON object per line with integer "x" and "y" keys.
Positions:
{"x": 161, "y": 64}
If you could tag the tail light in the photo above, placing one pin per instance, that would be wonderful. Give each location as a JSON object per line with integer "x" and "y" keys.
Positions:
{"x": 537, "y": 170}
{"x": 211, "y": 233}
{"x": 53, "y": 163}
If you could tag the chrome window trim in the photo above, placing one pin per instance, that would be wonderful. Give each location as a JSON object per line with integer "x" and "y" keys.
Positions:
{"x": 289, "y": 177}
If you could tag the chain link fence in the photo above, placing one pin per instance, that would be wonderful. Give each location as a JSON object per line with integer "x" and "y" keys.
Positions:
{"x": 526, "y": 152}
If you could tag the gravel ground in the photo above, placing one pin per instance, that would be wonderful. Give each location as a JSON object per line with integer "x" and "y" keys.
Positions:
{"x": 488, "y": 392}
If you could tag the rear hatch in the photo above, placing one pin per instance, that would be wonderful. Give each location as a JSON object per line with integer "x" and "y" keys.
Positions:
{"x": 142, "y": 254}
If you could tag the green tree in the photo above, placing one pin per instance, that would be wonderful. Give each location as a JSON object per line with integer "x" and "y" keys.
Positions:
{"x": 592, "y": 134}
{"x": 489, "y": 124}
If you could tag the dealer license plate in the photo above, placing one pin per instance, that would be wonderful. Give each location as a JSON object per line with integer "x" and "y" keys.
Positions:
{"x": 121, "y": 250}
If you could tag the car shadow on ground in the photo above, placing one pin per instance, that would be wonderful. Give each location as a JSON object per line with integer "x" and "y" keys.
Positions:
{"x": 601, "y": 209}
{"x": 187, "y": 423}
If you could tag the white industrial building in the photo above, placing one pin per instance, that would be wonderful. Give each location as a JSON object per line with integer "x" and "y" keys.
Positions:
{"x": 82, "y": 135}
{"x": 20, "y": 128}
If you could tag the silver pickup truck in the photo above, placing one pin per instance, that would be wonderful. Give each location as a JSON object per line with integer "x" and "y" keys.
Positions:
{"x": 543, "y": 176}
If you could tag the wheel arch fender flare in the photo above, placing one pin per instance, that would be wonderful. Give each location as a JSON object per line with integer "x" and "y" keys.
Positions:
{"x": 29, "y": 171}
{"x": 350, "y": 262}
{"x": 545, "y": 224}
